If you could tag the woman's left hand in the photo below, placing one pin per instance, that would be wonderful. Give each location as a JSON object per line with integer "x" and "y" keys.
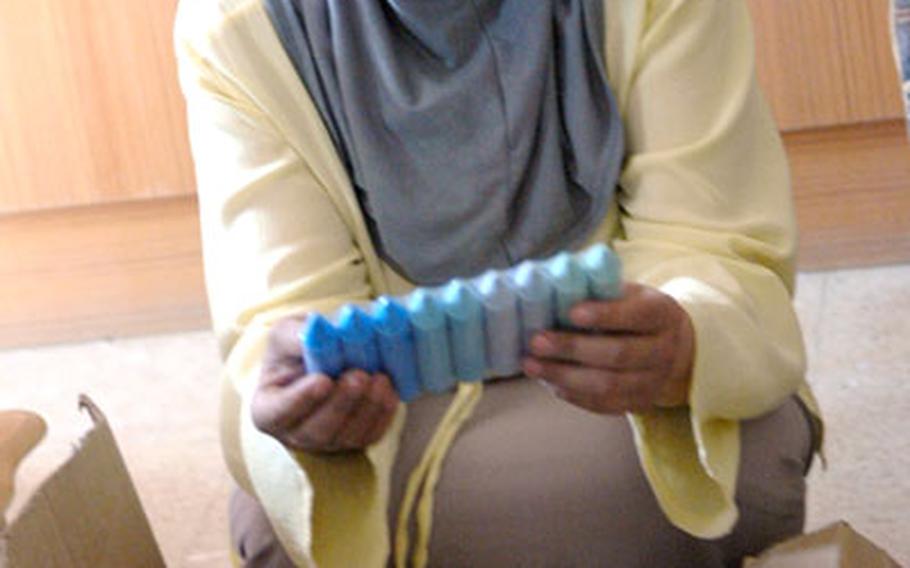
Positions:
{"x": 635, "y": 354}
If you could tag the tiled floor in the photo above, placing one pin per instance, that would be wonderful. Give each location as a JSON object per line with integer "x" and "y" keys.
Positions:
{"x": 857, "y": 327}
{"x": 161, "y": 396}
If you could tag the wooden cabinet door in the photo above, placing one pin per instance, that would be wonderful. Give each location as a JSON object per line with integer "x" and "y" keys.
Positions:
{"x": 826, "y": 62}
{"x": 90, "y": 111}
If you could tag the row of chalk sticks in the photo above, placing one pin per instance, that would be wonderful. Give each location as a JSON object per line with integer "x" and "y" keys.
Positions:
{"x": 467, "y": 330}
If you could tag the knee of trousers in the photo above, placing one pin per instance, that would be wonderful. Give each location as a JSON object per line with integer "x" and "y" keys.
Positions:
{"x": 252, "y": 536}
{"x": 771, "y": 487}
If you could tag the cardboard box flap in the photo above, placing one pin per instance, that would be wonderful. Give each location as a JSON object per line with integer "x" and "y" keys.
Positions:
{"x": 87, "y": 514}
{"x": 835, "y": 546}
{"x": 20, "y": 432}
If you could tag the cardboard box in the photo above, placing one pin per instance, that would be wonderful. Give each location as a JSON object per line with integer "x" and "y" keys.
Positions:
{"x": 87, "y": 514}
{"x": 835, "y": 546}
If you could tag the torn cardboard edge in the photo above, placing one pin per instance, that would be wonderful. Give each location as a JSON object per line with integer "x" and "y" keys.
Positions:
{"x": 836, "y": 546}
{"x": 86, "y": 514}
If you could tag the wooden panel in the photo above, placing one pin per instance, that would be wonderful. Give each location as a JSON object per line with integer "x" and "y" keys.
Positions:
{"x": 873, "y": 87}
{"x": 852, "y": 189}
{"x": 799, "y": 62}
{"x": 90, "y": 110}
{"x": 101, "y": 271}
{"x": 823, "y": 63}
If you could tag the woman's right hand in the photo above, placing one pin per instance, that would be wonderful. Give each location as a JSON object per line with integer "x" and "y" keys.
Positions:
{"x": 311, "y": 412}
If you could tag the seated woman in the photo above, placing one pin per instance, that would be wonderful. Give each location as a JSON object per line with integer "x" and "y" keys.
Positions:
{"x": 346, "y": 149}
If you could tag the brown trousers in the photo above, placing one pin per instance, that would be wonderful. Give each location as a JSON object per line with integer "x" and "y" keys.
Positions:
{"x": 533, "y": 481}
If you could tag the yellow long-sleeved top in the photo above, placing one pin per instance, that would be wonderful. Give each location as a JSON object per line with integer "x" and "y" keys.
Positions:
{"x": 704, "y": 213}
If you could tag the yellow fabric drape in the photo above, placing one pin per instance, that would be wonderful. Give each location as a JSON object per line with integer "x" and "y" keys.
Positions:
{"x": 426, "y": 474}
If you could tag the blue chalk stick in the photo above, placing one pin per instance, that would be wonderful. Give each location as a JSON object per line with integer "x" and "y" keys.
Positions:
{"x": 502, "y": 324}
{"x": 321, "y": 343}
{"x": 358, "y": 340}
{"x": 464, "y": 314}
{"x": 535, "y": 297}
{"x": 570, "y": 284}
{"x": 603, "y": 270}
{"x": 396, "y": 347}
{"x": 432, "y": 342}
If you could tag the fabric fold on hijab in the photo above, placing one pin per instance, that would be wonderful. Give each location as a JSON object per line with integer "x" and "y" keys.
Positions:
{"x": 477, "y": 133}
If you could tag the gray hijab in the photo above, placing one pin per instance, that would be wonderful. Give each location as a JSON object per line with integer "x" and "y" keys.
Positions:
{"x": 477, "y": 133}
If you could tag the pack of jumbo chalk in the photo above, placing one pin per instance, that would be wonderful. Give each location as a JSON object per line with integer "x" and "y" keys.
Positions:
{"x": 467, "y": 330}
